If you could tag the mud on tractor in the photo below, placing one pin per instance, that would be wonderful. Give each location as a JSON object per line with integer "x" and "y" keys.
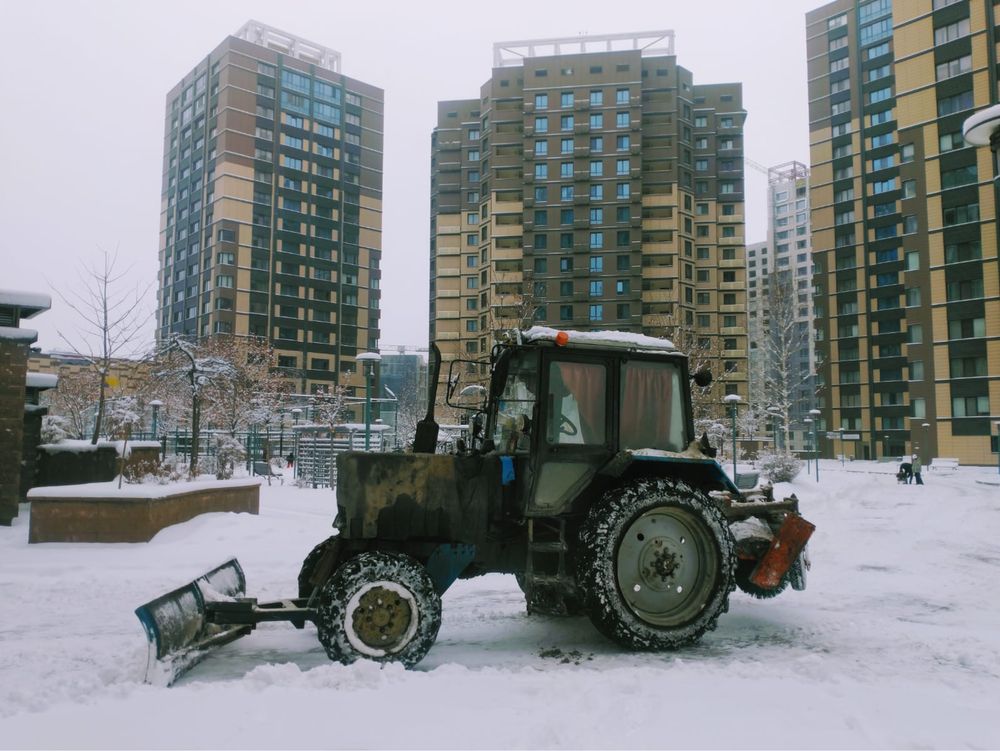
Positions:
{"x": 583, "y": 477}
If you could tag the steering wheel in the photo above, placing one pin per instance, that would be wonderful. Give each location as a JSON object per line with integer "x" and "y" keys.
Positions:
{"x": 566, "y": 426}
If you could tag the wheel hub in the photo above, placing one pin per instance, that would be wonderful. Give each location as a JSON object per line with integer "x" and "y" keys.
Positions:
{"x": 381, "y": 618}
{"x": 660, "y": 563}
{"x": 664, "y": 566}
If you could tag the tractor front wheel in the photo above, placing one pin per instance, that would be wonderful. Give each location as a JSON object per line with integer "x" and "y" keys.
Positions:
{"x": 656, "y": 564}
{"x": 381, "y": 607}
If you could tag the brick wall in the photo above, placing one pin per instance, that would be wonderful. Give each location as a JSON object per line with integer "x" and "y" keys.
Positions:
{"x": 13, "y": 372}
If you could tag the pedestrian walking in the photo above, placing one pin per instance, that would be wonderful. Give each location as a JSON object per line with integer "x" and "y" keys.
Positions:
{"x": 916, "y": 470}
{"x": 291, "y": 460}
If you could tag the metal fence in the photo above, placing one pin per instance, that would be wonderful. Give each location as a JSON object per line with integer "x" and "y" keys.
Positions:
{"x": 312, "y": 448}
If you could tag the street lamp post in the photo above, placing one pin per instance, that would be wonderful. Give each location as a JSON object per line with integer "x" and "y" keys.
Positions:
{"x": 369, "y": 359}
{"x": 156, "y": 404}
{"x": 997, "y": 423}
{"x": 815, "y": 416}
{"x": 733, "y": 401}
{"x": 808, "y": 421}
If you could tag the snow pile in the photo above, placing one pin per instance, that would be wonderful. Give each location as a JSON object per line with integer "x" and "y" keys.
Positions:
{"x": 895, "y": 643}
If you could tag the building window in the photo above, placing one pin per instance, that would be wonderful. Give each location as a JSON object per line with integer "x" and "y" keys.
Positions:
{"x": 621, "y": 120}
{"x": 951, "y": 141}
{"x": 597, "y": 312}
{"x": 955, "y": 103}
{"x": 952, "y": 31}
{"x": 952, "y": 68}
{"x": 541, "y": 125}
{"x": 970, "y": 406}
{"x": 961, "y": 214}
{"x": 959, "y": 176}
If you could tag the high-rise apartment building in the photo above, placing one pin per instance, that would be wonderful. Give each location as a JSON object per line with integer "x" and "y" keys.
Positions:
{"x": 904, "y": 225}
{"x": 271, "y": 209}
{"x": 591, "y": 185}
{"x": 779, "y": 298}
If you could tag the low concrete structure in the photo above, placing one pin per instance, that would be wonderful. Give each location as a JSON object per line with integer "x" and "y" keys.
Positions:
{"x": 101, "y": 512}
{"x": 15, "y": 343}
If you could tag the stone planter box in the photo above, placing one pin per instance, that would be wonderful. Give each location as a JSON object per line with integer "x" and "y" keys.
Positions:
{"x": 100, "y": 512}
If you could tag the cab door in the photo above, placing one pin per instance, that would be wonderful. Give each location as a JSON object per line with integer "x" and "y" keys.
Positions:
{"x": 574, "y": 433}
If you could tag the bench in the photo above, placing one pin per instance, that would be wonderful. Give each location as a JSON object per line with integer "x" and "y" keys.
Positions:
{"x": 943, "y": 462}
{"x": 264, "y": 469}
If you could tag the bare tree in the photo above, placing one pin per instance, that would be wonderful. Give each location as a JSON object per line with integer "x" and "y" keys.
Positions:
{"x": 704, "y": 352}
{"x": 329, "y": 404}
{"x": 110, "y": 322}
{"x": 411, "y": 406}
{"x": 250, "y": 391}
{"x": 183, "y": 363}
{"x": 783, "y": 339}
{"x": 74, "y": 398}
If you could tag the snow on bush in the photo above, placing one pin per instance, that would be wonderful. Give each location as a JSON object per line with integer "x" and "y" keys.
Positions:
{"x": 779, "y": 467}
{"x": 55, "y": 428}
{"x": 228, "y": 451}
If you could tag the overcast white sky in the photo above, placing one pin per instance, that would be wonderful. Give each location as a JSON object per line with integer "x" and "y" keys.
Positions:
{"x": 84, "y": 85}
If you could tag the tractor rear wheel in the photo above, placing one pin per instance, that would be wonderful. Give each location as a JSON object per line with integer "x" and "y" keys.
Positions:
{"x": 656, "y": 564}
{"x": 381, "y": 607}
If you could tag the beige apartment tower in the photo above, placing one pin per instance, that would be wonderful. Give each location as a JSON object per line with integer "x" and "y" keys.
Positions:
{"x": 591, "y": 185}
{"x": 271, "y": 210}
{"x": 904, "y": 227}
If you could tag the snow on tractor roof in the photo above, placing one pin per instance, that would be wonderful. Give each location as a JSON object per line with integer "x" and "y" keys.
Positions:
{"x": 614, "y": 339}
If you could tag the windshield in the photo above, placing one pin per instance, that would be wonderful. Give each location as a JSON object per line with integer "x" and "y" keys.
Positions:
{"x": 515, "y": 407}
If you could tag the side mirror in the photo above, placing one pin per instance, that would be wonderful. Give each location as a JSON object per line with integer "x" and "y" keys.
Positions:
{"x": 703, "y": 377}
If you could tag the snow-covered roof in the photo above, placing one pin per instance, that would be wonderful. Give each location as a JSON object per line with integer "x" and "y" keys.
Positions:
{"x": 615, "y": 339}
{"x": 30, "y": 303}
{"x": 18, "y": 335}
{"x": 42, "y": 380}
{"x": 135, "y": 492}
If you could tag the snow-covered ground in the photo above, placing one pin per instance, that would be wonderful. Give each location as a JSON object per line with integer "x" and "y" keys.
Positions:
{"x": 896, "y": 643}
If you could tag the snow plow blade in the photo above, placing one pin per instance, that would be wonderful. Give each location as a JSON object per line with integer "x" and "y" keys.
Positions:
{"x": 785, "y": 549}
{"x": 176, "y": 627}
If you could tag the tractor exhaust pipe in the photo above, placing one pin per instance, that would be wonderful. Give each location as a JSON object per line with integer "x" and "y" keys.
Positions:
{"x": 425, "y": 440}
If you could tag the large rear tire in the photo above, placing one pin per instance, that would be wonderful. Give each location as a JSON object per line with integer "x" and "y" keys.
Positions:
{"x": 380, "y": 607}
{"x": 656, "y": 564}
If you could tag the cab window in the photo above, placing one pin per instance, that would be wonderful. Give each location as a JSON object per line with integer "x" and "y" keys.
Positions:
{"x": 576, "y": 403}
{"x": 652, "y": 414}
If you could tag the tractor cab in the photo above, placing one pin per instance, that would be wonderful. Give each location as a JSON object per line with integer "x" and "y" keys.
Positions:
{"x": 562, "y": 405}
